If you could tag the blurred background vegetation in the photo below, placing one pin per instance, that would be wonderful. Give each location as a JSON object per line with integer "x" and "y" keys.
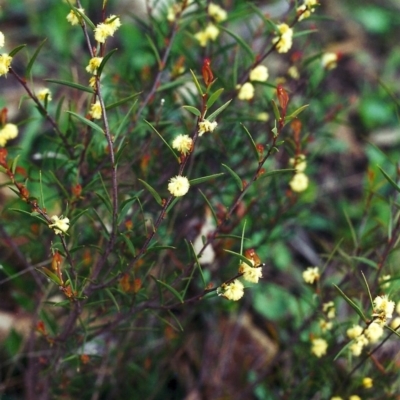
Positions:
{"x": 258, "y": 348}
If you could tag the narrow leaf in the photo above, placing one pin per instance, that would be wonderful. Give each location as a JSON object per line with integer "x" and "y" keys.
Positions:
{"x": 122, "y": 101}
{"x": 240, "y": 256}
{"x": 242, "y": 43}
{"x": 170, "y": 289}
{"x": 212, "y": 116}
{"x": 153, "y": 192}
{"x": 366, "y": 261}
{"x": 352, "y": 304}
{"x": 196, "y": 181}
{"x": 14, "y": 51}
{"x": 104, "y": 61}
{"x": 253, "y": 144}
{"x": 389, "y": 179}
{"x": 209, "y": 206}
{"x": 198, "y": 266}
{"x": 160, "y": 136}
{"x": 87, "y": 122}
{"x": 275, "y": 110}
{"x": 235, "y": 176}
{"x": 155, "y": 51}
{"x": 14, "y": 164}
{"x": 296, "y": 112}
{"x": 193, "y": 110}
{"x": 84, "y": 16}
{"x": 33, "y": 59}
{"x": 277, "y": 172}
{"x": 214, "y": 97}
{"x": 72, "y": 85}
{"x": 108, "y": 291}
{"x": 196, "y": 82}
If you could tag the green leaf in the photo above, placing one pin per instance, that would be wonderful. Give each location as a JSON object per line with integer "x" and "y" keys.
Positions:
{"x": 160, "y": 136}
{"x": 129, "y": 243}
{"x": 277, "y": 172}
{"x": 104, "y": 61}
{"x": 242, "y": 43}
{"x": 196, "y": 181}
{"x": 193, "y": 110}
{"x": 305, "y": 32}
{"x": 72, "y": 85}
{"x": 196, "y": 82}
{"x": 240, "y": 256}
{"x": 155, "y": 51}
{"x": 389, "y": 179}
{"x": 295, "y": 113}
{"x": 33, "y": 59}
{"x": 235, "y": 176}
{"x": 158, "y": 248}
{"x": 84, "y": 16}
{"x": 91, "y": 124}
{"x": 125, "y": 206}
{"x": 253, "y": 144}
{"x": 170, "y": 289}
{"x": 198, "y": 266}
{"x": 209, "y": 206}
{"x": 61, "y": 186}
{"x": 366, "y": 261}
{"x": 153, "y": 192}
{"x": 275, "y": 110}
{"x": 105, "y": 201}
{"x": 352, "y": 304}
{"x": 112, "y": 297}
{"x": 51, "y": 275}
{"x": 14, "y": 164}
{"x": 214, "y": 97}
{"x": 14, "y": 51}
{"x": 122, "y": 101}
{"x": 100, "y": 220}
{"x": 218, "y": 111}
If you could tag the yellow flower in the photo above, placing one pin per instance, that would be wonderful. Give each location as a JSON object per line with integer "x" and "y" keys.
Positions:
{"x": 43, "y": 93}
{"x": 383, "y": 307}
{"x": 106, "y": 28}
{"x": 8, "y": 132}
{"x": 74, "y": 18}
{"x": 311, "y": 274}
{"x": 284, "y": 40}
{"x": 299, "y": 163}
{"x": 95, "y": 110}
{"x": 395, "y": 323}
{"x": 246, "y": 92}
{"x": 183, "y": 143}
{"x": 60, "y": 225}
{"x": 1, "y": 39}
{"x": 367, "y": 382}
{"x": 92, "y": 82}
{"x": 293, "y": 72}
{"x": 210, "y": 33}
{"x": 311, "y": 3}
{"x": 232, "y": 291}
{"x": 354, "y": 331}
{"x": 263, "y": 116}
{"x": 206, "y": 126}
{"x": 329, "y": 309}
{"x": 299, "y": 182}
{"x": 94, "y": 63}
{"x": 5, "y": 62}
{"x": 374, "y": 332}
{"x": 178, "y": 186}
{"x": 325, "y": 325}
{"x": 259, "y": 73}
{"x": 250, "y": 274}
{"x": 354, "y": 397}
{"x": 358, "y": 344}
{"x": 216, "y": 12}
{"x": 319, "y": 347}
{"x": 329, "y": 60}
{"x": 336, "y": 398}
{"x": 114, "y": 22}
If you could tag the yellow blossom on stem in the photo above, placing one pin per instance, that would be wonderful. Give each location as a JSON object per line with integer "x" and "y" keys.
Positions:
{"x": 299, "y": 182}
{"x": 336, "y": 398}
{"x": 93, "y": 65}
{"x": 395, "y": 323}
{"x": 106, "y": 28}
{"x": 232, "y": 291}
{"x": 285, "y": 39}
{"x": 8, "y": 132}
{"x": 325, "y": 325}
{"x": 329, "y": 309}
{"x": 250, "y": 274}
{"x": 216, "y": 12}
{"x": 206, "y": 126}
{"x": 329, "y": 60}
{"x": 354, "y": 331}
{"x": 60, "y": 225}
{"x": 311, "y": 274}
{"x": 74, "y": 18}
{"x": 383, "y": 307}
{"x": 44, "y": 93}
{"x": 259, "y": 73}
{"x": 183, "y": 143}
{"x": 367, "y": 382}
{"x": 299, "y": 163}
{"x": 210, "y": 33}
{"x": 178, "y": 186}
{"x": 358, "y": 344}
{"x": 5, "y": 63}
{"x": 374, "y": 332}
{"x": 354, "y": 397}
{"x": 319, "y": 347}
{"x": 246, "y": 92}
{"x": 1, "y": 39}
{"x": 95, "y": 110}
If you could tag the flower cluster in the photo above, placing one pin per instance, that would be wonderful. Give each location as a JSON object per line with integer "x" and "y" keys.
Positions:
{"x": 183, "y": 143}
{"x": 231, "y": 291}
{"x": 329, "y": 60}
{"x": 284, "y": 40}
{"x": 305, "y": 10}
{"x": 106, "y": 28}
{"x": 211, "y": 32}
{"x": 217, "y": 13}
{"x": 258, "y": 74}
{"x": 319, "y": 347}
{"x": 1, "y": 39}
{"x": 44, "y": 94}
{"x": 178, "y": 186}
{"x": 74, "y": 18}
{"x": 93, "y": 65}
{"x": 8, "y": 132}
{"x": 95, "y": 110}
{"x": 206, "y": 126}
{"x": 311, "y": 275}
{"x": 299, "y": 182}
{"x": 176, "y": 9}
{"x": 60, "y": 225}
{"x": 383, "y": 309}
{"x": 5, "y": 63}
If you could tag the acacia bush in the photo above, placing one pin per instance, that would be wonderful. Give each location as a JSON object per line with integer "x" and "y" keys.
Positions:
{"x": 187, "y": 209}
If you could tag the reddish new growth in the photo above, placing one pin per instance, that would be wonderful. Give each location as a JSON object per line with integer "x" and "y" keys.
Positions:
{"x": 283, "y": 99}
{"x": 207, "y": 73}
